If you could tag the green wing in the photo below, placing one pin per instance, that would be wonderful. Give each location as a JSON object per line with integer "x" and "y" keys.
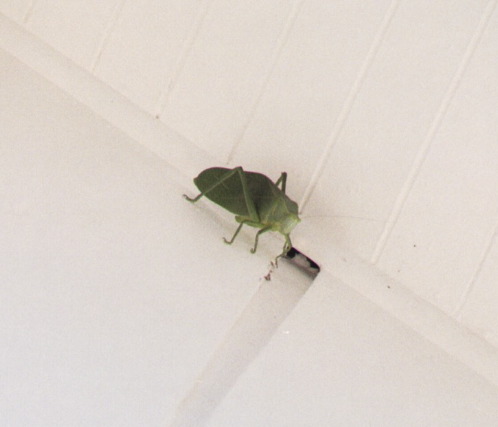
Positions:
{"x": 229, "y": 194}
{"x": 275, "y": 208}
{"x": 224, "y": 187}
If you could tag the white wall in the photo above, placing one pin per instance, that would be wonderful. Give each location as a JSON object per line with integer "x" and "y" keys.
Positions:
{"x": 384, "y": 115}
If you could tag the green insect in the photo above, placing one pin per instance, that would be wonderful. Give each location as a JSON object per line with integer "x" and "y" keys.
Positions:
{"x": 253, "y": 197}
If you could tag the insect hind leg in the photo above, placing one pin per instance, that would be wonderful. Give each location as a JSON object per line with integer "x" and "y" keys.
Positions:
{"x": 282, "y": 180}
{"x": 214, "y": 185}
{"x": 194, "y": 199}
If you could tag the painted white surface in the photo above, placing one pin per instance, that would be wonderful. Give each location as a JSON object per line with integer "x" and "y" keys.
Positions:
{"x": 340, "y": 360}
{"x": 111, "y": 304}
{"x": 17, "y": 10}
{"x": 302, "y": 104}
{"x": 75, "y": 28}
{"x": 382, "y": 113}
{"x": 148, "y": 39}
{"x": 451, "y": 211}
{"x": 370, "y": 160}
{"x": 479, "y": 309}
{"x": 225, "y": 70}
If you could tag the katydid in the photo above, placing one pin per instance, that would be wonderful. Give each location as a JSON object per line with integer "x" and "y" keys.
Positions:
{"x": 254, "y": 198}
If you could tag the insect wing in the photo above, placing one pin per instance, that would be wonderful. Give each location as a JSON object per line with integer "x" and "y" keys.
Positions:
{"x": 291, "y": 206}
{"x": 271, "y": 202}
{"x": 228, "y": 194}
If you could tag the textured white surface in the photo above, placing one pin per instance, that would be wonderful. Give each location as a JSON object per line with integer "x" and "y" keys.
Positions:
{"x": 157, "y": 53}
{"x": 382, "y": 112}
{"x": 17, "y": 9}
{"x": 302, "y": 104}
{"x": 75, "y": 28}
{"x": 225, "y": 70}
{"x": 355, "y": 366}
{"x": 110, "y": 307}
{"x": 479, "y": 309}
{"x": 451, "y": 211}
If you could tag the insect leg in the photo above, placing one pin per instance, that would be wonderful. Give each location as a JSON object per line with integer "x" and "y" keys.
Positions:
{"x": 229, "y": 242}
{"x": 283, "y": 180}
{"x": 263, "y": 230}
{"x": 220, "y": 181}
{"x": 253, "y": 213}
{"x": 288, "y": 245}
{"x": 287, "y": 248}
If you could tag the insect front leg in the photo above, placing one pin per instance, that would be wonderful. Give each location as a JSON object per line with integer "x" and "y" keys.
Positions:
{"x": 229, "y": 242}
{"x": 287, "y": 248}
{"x": 263, "y": 230}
